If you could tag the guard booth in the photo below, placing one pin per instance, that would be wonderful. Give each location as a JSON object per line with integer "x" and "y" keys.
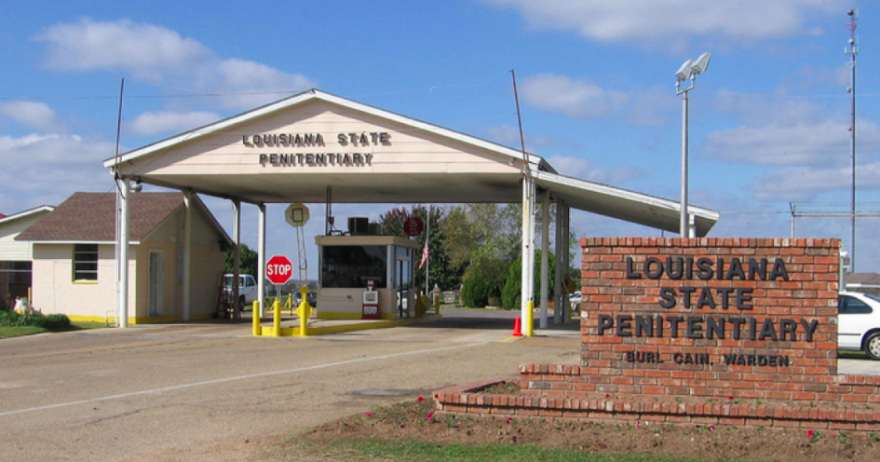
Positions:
{"x": 349, "y": 263}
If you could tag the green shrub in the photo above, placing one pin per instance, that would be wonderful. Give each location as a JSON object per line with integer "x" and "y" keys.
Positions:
{"x": 50, "y": 322}
{"x": 57, "y": 322}
{"x": 9, "y": 318}
{"x": 475, "y": 292}
{"x": 510, "y": 296}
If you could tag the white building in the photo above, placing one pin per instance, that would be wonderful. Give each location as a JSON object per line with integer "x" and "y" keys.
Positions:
{"x": 74, "y": 258}
{"x": 15, "y": 256}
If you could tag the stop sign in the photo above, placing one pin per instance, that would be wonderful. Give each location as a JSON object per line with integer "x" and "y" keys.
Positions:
{"x": 279, "y": 269}
{"x": 413, "y": 226}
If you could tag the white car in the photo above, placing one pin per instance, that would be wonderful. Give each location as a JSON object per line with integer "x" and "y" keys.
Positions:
{"x": 247, "y": 288}
{"x": 858, "y": 323}
{"x": 575, "y": 299}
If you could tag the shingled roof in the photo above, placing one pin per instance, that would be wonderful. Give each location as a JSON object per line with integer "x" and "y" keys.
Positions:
{"x": 91, "y": 217}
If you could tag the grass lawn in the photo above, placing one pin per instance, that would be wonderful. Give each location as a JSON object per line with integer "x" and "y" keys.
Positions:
{"x": 9, "y": 332}
{"x": 421, "y": 451}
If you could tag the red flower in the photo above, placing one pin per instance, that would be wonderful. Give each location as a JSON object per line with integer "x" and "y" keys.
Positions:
{"x": 607, "y": 396}
{"x": 430, "y": 416}
{"x": 731, "y": 398}
{"x": 809, "y": 433}
{"x": 368, "y": 414}
{"x": 509, "y": 419}
{"x": 421, "y": 399}
{"x": 711, "y": 428}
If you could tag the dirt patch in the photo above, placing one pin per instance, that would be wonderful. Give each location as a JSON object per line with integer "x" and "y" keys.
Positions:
{"x": 414, "y": 419}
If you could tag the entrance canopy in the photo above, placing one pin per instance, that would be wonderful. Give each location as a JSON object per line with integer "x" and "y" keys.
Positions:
{"x": 315, "y": 147}
{"x": 295, "y": 149}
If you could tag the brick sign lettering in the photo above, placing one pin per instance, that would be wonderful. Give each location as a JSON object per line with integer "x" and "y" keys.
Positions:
{"x": 710, "y": 312}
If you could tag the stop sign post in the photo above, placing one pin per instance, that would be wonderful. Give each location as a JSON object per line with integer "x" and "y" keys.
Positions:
{"x": 279, "y": 269}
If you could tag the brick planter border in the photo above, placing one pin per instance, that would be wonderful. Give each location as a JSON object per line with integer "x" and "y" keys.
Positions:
{"x": 532, "y": 402}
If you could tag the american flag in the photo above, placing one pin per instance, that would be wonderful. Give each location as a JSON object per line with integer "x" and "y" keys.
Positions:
{"x": 424, "y": 256}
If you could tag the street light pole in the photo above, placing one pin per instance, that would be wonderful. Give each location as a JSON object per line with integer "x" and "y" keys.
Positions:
{"x": 688, "y": 71}
{"x": 684, "y": 225}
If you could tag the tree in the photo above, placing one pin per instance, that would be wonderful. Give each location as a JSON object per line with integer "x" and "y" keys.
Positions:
{"x": 484, "y": 239}
{"x": 442, "y": 272}
{"x": 511, "y": 296}
{"x": 247, "y": 261}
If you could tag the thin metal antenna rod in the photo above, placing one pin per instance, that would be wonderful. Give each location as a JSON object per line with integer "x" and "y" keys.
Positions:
{"x": 118, "y": 250}
{"x": 522, "y": 140}
{"x": 852, "y": 52}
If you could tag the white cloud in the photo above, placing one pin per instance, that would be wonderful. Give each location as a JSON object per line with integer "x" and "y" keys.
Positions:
{"x": 162, "y": 56}
{"x": 509, "y": 136}
{"x": 34, "y": 115}
{"x": 804, "y": 183}
{"x": 578, "y": 99}
{"x": 586, "y": 170}
{"x": 145, "y": 50}
{"x": 49, "y": 168}
{"x": 151, "y": 123}
{"x": 780, "y": 130}
{"x": 671, "y": 23}
{"x": 805, "y": 144}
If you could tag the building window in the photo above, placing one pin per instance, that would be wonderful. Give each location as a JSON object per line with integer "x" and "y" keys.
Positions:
{"x": 85, "y": 262}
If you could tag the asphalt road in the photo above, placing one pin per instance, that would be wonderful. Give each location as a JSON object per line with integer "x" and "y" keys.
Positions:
{"x": 211, "y": 392}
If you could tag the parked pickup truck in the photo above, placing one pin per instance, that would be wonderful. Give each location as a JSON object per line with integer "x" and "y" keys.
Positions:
{"x": 247, "y": 288}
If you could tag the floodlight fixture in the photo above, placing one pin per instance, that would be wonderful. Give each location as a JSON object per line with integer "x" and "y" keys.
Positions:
{"x": 684, "y": 72}
{"x": 702, "y": 63}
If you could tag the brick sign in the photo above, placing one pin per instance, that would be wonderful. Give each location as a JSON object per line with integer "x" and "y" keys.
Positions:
{"x": 754, "y": 315}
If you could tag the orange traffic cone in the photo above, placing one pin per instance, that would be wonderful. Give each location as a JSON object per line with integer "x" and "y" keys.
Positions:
{"x": 517, "y": 327}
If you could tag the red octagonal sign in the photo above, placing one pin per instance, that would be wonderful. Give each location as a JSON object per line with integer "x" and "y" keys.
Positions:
{"x": 279, "y": 269}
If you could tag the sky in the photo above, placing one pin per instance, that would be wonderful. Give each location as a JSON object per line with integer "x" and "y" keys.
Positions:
{"x": 769, "y": 121}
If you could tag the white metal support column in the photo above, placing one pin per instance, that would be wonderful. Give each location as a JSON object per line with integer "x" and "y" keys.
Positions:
{"x": 122, "y": 242}
{"x": 561, "y": 243}
{"x": 236, "y": 255}
{"x": 261, "y": 257}
{"x": 527, "y": 290}
{"x": 187, "y": 254}
{"x": 545, "y": 256}
{"x": 563, "y": 216}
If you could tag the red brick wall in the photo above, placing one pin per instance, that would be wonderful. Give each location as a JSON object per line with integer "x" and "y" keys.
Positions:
{"x": 619, "y": 287}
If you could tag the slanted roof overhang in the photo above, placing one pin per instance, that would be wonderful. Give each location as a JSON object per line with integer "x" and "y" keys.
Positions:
{"x": 622, "y": 204}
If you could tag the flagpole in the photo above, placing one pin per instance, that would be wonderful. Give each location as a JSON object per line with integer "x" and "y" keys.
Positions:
{"x": 428, "y": 261}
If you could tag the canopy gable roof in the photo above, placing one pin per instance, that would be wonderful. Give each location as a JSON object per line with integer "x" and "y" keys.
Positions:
{"x": 314, "y": 147}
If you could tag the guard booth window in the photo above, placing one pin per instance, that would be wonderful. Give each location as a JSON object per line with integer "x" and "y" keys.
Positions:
{"x": 350, "y": 266}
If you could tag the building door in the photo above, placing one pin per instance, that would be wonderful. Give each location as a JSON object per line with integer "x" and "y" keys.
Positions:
{"x": 15, "y": 280}
{"x": 403, "y": 280}
{"x": 155, "y": 293}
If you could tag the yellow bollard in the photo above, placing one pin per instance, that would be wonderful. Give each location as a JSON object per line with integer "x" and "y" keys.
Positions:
{"x": 304, "y": 310}
{"x": 256, "y": 312}
{"x": 276, "y": 319}
{"x": 530, "y": 319}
